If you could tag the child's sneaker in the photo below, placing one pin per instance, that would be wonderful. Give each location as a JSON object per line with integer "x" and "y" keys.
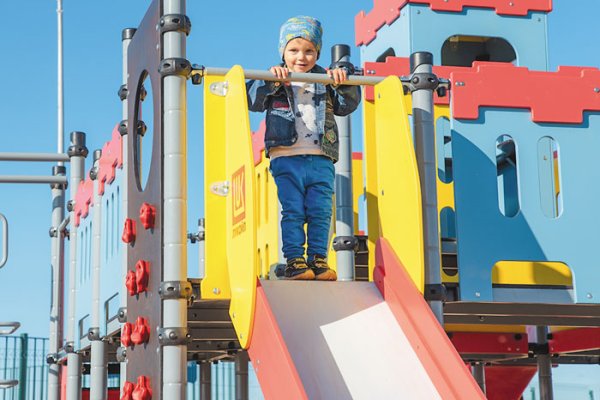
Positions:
{"x": 296, "y": 269}
{"x": 322, "y": 271}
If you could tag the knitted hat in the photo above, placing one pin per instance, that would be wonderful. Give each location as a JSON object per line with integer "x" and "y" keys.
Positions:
{"x": 304, "y": 27}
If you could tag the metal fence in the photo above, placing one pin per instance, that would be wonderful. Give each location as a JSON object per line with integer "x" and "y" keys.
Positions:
{"x": 23, "y": 358}
{"x": 223, "y": 382}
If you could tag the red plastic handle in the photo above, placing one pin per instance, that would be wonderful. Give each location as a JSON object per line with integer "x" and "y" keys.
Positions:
{"x": 128, "y": 231}
{"x": 148, "y": 215}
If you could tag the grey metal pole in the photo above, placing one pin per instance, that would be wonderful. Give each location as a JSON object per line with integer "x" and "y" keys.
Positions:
{"x": 126, "y": 36}
{"x": 205, "y": 381}
{"x": 241, "y": 376}
{"x": 53, "y": 180}
{"x": 77, "y": 152}
{"x": 33, "y": 157}
{"x": 544, "y": 364}
{"x": 292, "y": 76}
{"x": 478, "y": 371}
{"x": 344, "y": 214}
{"x": 422, "y": 98}
{"x": 174, "y": 368}
{"x": 60, "y": 91}
{"x": 57, "y": 266}
{"x": 98, "y": 366}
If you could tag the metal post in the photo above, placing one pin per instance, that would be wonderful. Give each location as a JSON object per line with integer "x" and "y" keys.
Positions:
{"x": 60, "y": 91}
{"x": 205, "y": 380}
{"x": 344, "y": 214}
{"x": 126, "y": 36}
{"x": 98, "y": 366}
{"x": 57, "y": 267}
{"x": 174, "y": 356}
{"x": 241, "y": 376}
{"x": 77, "y": 152}
{"x": 478, "y": 371}
{"x": 422, "y": 98}
{"x": 23, "y": 368}
{"x": 544, "y": 364}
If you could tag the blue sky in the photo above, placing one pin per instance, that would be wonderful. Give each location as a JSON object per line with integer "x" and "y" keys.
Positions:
{"x": 223, "y": 34}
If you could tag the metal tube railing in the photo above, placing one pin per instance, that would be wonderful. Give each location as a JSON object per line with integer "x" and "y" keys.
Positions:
{"x": 4, "y": 255}
{"x": 34, "y": 157}
{"x": 199, "y": 71}
{"x": 57, "y": 179}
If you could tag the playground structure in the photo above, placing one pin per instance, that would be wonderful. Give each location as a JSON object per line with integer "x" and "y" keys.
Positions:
{"x": 480, "y": 252}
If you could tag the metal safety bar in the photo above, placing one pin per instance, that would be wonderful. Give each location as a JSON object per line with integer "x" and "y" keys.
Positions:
{"x": 57, "y": 179}
{"x": 4, "y": 240}
{"x": 34, "y": 157}
{"x": 199, "y": 71}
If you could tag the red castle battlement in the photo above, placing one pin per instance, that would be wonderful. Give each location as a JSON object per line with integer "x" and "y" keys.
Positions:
{"x": 387, "y": 11}
{"x": 504, "y": 85}
{"x": 112, "y": 158}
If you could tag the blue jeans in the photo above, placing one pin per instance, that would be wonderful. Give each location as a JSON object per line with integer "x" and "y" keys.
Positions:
{"x": 305, "y": 190}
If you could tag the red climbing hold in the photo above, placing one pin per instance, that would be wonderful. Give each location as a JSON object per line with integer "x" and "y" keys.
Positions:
{"x": 126, "y": 334}
{"x": 147, "y": 215}
{"x": 142, "y": 275}
{"x": 127, "y": 390}
{"x": 130, "y": 283}
{"x": 128, "y": 231}
{"x": 141, "y": 331}
{"x": 143, "y": 390}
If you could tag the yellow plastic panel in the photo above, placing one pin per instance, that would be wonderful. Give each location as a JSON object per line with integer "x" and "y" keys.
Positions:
{"x": 267, "y": 231}
{"x": 358, "y": 188}
{"x": 370, "y": 160}
{"x": 240, "y": 210}
{"x": 398, "y": 187}
{"x": 215, "y": 284}
{"x": 531, "y": 273}
{"x": 445, "y": 191}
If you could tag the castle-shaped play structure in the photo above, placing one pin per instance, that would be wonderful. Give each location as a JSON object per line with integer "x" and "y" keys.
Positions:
{"x": 477, "y": 267}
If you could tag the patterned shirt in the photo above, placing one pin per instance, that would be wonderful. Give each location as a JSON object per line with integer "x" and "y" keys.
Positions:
{"x": 306, "y": 124}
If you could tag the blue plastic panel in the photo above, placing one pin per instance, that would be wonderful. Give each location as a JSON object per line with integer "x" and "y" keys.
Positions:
{"x": 395, "y": 36}
{"x": 486, "y": 236}
{"x": 84, "y": 275}
{"x": 421, "y": 29}
{"x": 112, "y": 281}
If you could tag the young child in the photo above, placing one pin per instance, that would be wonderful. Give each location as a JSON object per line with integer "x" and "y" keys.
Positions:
{"x": 301, "y": 140}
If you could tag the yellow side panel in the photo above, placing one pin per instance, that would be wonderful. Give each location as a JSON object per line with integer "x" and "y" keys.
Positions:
{"x": 240, "y": 210}
{"x": 532, "y": 273}
{"x": 398, "y": 187}
{"x": 445, "y": 191}
{"x": 215, "y": 284}
{"x": 370, "y": 159}
{"x": 358, "y": 188}
{"x": 267, "y": 231}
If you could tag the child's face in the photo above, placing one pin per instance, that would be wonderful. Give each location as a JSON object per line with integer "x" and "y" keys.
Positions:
{"x": 300, "y": 55}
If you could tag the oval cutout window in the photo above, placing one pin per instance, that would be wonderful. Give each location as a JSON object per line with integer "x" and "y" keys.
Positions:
{"x": 143, "y": 130}
{"x": 549, "y": 177}
{"x": 507, "y": 176}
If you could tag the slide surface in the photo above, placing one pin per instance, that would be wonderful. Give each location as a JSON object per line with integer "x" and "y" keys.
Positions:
{"x": 354, "y": 340}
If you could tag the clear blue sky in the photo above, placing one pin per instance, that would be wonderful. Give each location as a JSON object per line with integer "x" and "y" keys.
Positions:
{"x": 224, "y": 33}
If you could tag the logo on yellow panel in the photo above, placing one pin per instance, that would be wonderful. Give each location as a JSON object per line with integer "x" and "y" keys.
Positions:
{"x": 238, "y": 196}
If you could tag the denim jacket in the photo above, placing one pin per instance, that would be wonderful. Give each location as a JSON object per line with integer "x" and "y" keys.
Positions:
{"x": 278, "y": 100}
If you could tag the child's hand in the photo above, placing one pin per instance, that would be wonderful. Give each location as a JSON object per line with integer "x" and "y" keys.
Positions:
{"x": 338, "y": 75}
{"x": 279, "y": 72}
